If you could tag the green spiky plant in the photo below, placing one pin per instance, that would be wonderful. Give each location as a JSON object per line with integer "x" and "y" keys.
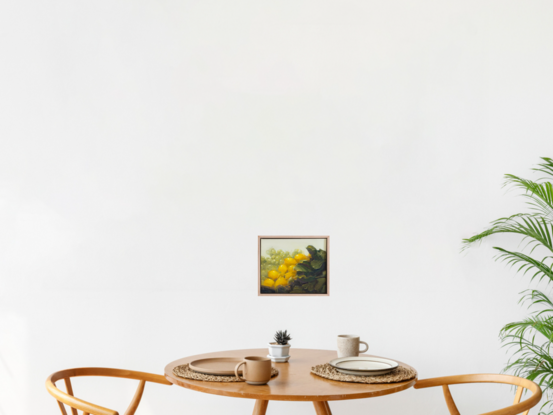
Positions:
{"x": 282, "y": 337}
{"x": 532, "y": 338}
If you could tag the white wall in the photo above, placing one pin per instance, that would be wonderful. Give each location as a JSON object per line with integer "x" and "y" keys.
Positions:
{"x": 145, "y": 145}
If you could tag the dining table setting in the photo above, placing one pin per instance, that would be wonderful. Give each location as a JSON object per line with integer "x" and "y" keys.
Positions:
{"x": 289, "y": 374}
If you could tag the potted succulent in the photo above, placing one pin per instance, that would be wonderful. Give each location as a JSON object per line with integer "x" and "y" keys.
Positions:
{"x": 280, "y": 347}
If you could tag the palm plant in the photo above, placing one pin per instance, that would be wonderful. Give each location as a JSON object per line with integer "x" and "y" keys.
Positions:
{"x": 532, "y": 338}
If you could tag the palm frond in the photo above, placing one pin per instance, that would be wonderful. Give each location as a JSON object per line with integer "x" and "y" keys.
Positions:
{"x": 527, "y": 263}
{"x": 536, "y": 297}
{"x": 546, "y": 167}
{"x": 536, "y": 323}
{"x": 540, "y": 195}
{"x": 532, "y": 359}
{"x": 531, "y": 339}
{"x": 532, "y": 227}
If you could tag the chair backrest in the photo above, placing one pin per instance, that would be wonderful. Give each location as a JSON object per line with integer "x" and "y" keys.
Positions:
{"x": 516, "y": 408}
{"x": 88, "y": 408}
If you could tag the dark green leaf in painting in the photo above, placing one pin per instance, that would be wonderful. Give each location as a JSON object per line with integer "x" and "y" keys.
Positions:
{"x": 322, "y": 254}
{"x": 301, "y": 280}
{"x": 312, "y": 251}
{"x": 317, "y": 263}
{"x": 309, "y": 287}
{"x": 303, "y": 267}
{"x": 320, "y": 283}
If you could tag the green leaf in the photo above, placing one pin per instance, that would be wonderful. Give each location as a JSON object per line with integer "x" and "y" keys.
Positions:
{"x": 320, "y": 283}
{"x": 310, "y": 286}
{"x": 302, "y": 280}
{"x": 540, "y": 195}
{"x": 311, "y": 249}
{"x": 322, "y": 254}
{"x": 535, "y": 228}
{"x": 303, "y": 267}
{"x": 531, "y": 339}
{"x": 546, "y": 167}
{"x": 527, "y": 263}
{"x": 317, "y": 263}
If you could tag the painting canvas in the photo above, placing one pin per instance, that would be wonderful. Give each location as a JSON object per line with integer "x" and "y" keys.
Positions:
{"x": 293, "y": 265}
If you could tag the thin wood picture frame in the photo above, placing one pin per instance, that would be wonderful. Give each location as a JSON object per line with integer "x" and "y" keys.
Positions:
{"x": 308, "y": 281}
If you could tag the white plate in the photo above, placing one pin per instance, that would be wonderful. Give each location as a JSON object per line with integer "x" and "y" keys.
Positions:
{"x": 364, "y": 365}
{"x": 282, "y": 359}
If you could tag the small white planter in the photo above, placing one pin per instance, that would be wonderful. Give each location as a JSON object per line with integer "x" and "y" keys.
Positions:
{"x": 278, "y": 350}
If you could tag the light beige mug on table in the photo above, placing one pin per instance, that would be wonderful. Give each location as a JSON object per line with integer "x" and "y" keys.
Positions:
{"x": 257, "y": 370}
{"x": 348, "y": 345}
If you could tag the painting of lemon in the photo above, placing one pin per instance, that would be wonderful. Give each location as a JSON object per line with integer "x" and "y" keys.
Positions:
{"x": 293, "y": 265}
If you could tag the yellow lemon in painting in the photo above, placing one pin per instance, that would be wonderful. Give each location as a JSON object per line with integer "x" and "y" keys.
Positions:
{"x": 288, "y": 275}
{"x": 282, "y": 269}
{"x": 290, "y": 261}
{"x": 300, "y": 257}
{"x": 291, "y": 268}
{"x": 274, "y": 275}
{"x": 268, "y": 282}
{"x": 281, "y": 281}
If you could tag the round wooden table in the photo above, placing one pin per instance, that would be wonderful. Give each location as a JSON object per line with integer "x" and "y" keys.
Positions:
{"x": 295, "y": 382}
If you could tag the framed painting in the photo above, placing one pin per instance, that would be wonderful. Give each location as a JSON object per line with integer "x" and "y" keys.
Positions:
{"x": 293, "y": 265}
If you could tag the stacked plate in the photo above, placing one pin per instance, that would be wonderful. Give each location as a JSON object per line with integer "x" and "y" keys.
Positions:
{"x": 363, "y": 365}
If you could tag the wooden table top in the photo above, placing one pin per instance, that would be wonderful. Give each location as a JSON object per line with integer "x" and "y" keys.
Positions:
{"x": 295, "y": 382}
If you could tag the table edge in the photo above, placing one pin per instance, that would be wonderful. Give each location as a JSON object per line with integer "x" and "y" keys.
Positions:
{"x": 401, "y": 386}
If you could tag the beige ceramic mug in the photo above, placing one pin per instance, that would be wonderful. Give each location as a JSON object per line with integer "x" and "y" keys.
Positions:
{"x": 348, "y": 345}
{"x": 257, "y": 370}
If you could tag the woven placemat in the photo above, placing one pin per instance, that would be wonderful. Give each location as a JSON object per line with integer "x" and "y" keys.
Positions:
{"x": 400, "y": 374}
{"x": 184, "y": 371}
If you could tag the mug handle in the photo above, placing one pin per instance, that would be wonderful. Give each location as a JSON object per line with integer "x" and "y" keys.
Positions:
{"x": 243, "y": 362}
{"x": 365, "y": 343}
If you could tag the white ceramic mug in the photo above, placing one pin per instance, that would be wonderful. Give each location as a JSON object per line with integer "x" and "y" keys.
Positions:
{"x": 348, "y": 345}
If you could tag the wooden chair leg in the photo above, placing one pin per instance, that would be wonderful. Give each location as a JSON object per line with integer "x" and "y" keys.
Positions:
{"x": 322, "y": 408}
{"x": 62, "y": 408}
{"x": 449, "y": 401}
{"x": 260, "y": 407}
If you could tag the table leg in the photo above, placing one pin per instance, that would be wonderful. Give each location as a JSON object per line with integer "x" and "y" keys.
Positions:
{"x": 260, "y": 407}
{"x": 322, "y": 408}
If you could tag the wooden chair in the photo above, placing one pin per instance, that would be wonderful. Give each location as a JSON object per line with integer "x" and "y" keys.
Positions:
{"x": 89, "y": 408}
{"x": 517, "y": 407}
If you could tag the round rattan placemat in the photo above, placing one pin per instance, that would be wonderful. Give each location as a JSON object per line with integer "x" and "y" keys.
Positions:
{"x": 184, "y": 371}
{"x": 400, "y": 374}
